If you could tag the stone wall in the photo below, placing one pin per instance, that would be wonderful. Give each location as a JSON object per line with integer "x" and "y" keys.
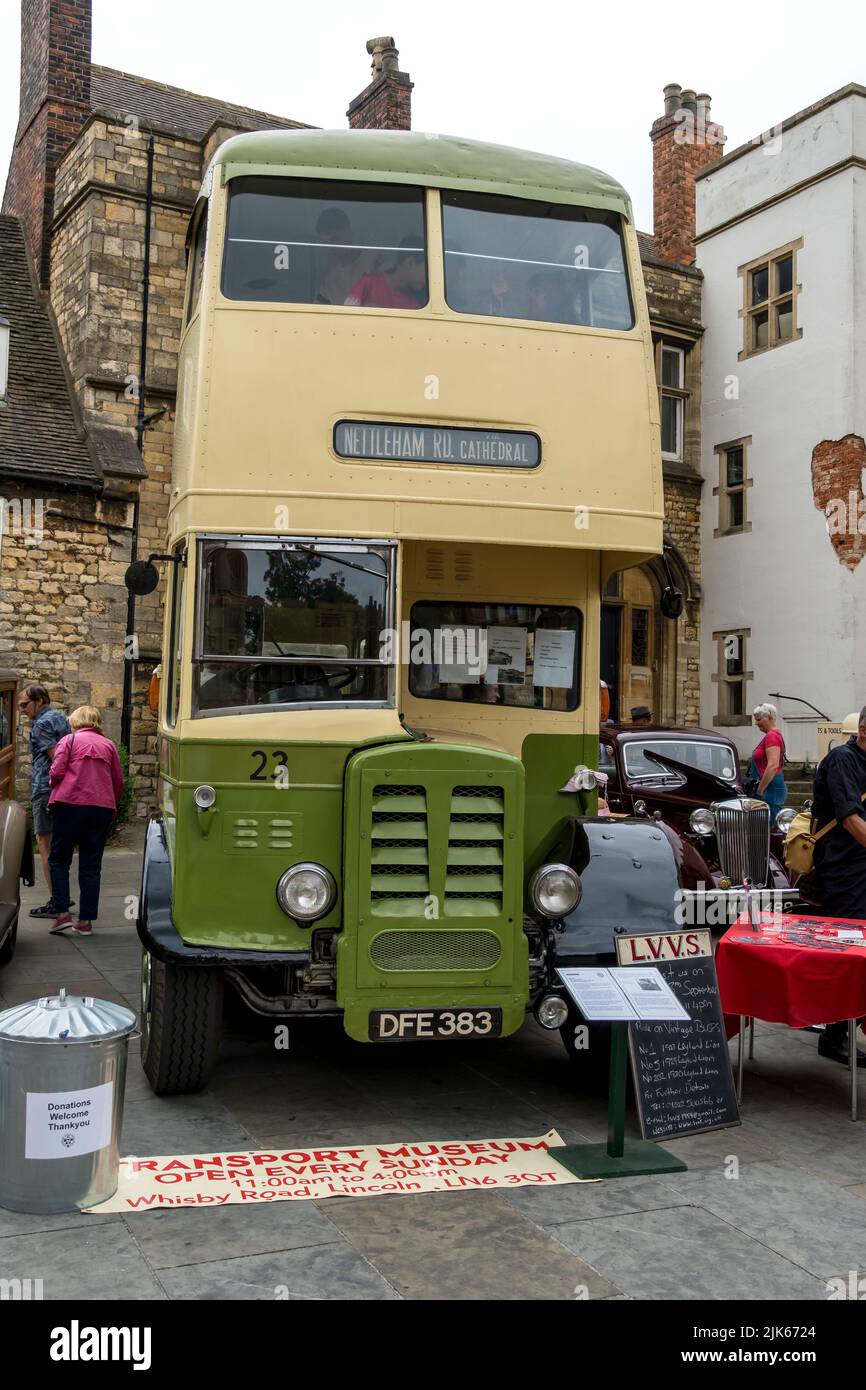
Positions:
{"x": 63, "y": 600}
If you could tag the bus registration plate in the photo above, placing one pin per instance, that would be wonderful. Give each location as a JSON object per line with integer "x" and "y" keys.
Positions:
{"x": 396, "y": 1025}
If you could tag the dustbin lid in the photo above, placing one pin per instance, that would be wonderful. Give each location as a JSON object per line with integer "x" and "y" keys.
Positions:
{"x": 66, "y": 1018}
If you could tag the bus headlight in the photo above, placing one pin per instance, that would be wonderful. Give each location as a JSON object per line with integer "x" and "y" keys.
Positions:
{"x": 306, "y": 892}
{"x": 702, "y": 821}
{"x": 555, "y": 890}
{"x": 204, "y": 797}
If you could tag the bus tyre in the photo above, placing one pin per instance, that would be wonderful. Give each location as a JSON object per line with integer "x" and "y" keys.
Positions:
{"x": 181, "y": 1020}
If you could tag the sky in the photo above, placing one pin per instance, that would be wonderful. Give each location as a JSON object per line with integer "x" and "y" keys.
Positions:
{"x": 584, "y": 82}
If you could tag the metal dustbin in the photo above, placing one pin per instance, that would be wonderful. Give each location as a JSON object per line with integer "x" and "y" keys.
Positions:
{"x": 62, "y": 1076}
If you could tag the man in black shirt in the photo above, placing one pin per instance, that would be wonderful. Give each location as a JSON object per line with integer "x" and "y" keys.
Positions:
{"x": 840, "y": 855}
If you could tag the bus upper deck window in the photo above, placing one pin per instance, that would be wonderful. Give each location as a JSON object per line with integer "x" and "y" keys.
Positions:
{"x": 543, "y": 262}
{"x": 299, "y": 241}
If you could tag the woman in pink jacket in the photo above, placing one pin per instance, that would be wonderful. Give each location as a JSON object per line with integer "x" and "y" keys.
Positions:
{"x": 86, "y": 785}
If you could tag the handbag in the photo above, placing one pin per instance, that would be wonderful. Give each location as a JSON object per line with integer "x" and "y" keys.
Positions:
{"x": 800, "y": 841}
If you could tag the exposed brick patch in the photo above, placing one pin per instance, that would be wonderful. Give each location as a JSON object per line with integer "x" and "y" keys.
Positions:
{"x": 837, "y": 486}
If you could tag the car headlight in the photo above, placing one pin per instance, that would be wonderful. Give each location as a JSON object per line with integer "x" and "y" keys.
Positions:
{"x": 306, "y": 892}
{"x": 555, "y": 890}
{"x": 204, "y": 797}
{"x": 702, "y": 821}
{"x": 784, "y": 818}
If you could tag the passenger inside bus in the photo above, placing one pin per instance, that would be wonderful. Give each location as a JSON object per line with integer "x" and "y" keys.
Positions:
{"x": 403, "y": 286}
{"x": 338, "y": 265}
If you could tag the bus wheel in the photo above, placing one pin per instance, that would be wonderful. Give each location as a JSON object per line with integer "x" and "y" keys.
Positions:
{"x": 181, "y": 1017}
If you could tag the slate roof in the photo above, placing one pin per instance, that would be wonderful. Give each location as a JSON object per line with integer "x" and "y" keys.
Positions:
{"x": 645, "y": 244}
{"x": 187, "y": 114}
{"x": 41, "y": 436}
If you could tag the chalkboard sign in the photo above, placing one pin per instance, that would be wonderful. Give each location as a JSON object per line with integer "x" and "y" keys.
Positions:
{"x": 682, "y": 1071}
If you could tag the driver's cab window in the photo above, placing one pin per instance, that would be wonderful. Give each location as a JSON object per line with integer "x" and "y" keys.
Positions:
{"x": 293, "y": 623}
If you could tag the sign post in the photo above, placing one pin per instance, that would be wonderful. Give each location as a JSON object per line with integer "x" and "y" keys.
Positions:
{"x": 619, "y": 1157}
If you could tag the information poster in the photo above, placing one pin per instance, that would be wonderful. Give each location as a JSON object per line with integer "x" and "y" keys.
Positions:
{"x": 463, "y": 655}
{"x": 553, "y": 664}
{"x": 616, "y": 995}
{"x": 506, "y": 656}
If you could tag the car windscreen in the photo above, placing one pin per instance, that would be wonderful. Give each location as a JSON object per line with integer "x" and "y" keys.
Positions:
{"x": 715, "y": 758}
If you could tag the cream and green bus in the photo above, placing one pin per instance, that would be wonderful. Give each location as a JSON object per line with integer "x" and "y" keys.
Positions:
{"x": 417, "y": 433}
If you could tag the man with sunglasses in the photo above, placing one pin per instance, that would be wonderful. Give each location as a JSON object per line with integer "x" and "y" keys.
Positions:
{"x": 48, "y": 726}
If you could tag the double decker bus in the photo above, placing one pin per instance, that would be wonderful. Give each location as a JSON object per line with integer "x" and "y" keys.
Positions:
{"x": 417, "y": 433}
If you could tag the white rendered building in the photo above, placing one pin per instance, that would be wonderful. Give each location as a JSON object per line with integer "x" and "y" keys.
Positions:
{"x": 781, "y": 241}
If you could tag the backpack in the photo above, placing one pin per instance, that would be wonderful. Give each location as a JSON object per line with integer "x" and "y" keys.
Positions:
{"x": 800, "y": 841}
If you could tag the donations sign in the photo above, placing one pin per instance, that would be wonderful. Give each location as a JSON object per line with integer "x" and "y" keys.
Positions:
{"x": 406, "y": 443}
{"x": 368, "y": 1170}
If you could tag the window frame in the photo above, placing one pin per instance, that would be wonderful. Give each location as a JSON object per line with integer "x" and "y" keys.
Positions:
{"x": 750, "y": 309}
{"x": 195, "y": 281}
{"x": 205, "y": 546}
{"x": 724, "y": 490}
{"x": 680, "y": 394}
{"x": 522, "y": 710}
{"x": 313, "y": 305}
{"x": 515, "y": 197}
{"x": 174, "y": 671}
{"x": 723, "y": 680}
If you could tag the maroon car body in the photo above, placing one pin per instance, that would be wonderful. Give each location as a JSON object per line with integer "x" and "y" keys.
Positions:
{"x": 667, "y": 774}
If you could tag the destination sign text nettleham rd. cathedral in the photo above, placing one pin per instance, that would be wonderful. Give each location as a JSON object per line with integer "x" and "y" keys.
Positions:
{"x": 362, "y": 439}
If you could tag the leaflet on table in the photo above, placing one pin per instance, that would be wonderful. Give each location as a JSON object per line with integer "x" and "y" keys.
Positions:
{"x": 553, "y": 658}
{"x": 620, "y": 994}
{"x": 506, "y": 656}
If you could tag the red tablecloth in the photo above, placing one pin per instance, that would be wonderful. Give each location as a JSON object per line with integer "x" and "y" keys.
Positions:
{"x": 761, "y": 975}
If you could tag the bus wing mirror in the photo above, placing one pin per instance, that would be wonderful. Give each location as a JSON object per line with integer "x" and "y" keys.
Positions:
{"x": 142, "y": 577}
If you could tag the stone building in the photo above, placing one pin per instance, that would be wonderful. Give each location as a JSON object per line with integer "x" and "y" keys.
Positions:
{"x": 105, "y": 171}
{"x": 65, "y": 512}
{"x": 646, "y": 658}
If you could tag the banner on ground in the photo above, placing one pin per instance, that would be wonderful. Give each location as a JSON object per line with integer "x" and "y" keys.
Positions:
{"x": 370, "y": 1170}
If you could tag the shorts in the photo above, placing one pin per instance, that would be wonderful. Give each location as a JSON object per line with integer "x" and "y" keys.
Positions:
{"x": 42, "y": 817}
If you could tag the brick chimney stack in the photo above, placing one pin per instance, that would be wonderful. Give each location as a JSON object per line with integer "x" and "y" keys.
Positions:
{"x": 684, "y": 140}
{"x": 54, "y": 103}
{"x": 386, "y": 104}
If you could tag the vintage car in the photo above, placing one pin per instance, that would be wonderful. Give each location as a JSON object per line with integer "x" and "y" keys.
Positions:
{"x": 689, "y": 779}
{"x": 16, "y": 853}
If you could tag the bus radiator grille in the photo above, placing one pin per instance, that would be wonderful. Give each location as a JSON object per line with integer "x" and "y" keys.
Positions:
{"x": 435, "y": 950}
{"x": 399, "y": 859}
{"x": 473, "y": 882}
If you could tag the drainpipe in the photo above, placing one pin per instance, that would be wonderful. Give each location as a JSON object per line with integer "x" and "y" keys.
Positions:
{"x": 142, "y": 421}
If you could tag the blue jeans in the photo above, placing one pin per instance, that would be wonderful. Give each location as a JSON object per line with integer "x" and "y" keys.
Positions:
{"x": 775, "y": 793}
{"x": 87, "y": 827}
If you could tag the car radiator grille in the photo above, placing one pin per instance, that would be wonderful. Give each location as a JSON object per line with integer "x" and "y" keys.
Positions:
{"x": 743, "y": 838}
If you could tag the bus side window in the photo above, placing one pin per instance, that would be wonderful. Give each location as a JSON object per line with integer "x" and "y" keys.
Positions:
{"x": 196, "y": 265}
{"x": 172, "y": 698}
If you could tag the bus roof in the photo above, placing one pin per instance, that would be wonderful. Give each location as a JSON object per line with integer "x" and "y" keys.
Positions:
{"x": 435, "y": 161}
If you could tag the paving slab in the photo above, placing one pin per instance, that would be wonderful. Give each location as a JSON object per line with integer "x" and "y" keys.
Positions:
{"x": 685, "y": 1253}
{"x": 24, "y": 1223}
{"x": 179, "y": 1125}
{"x": 588, "y": 1200}
{"x": 463, "y": 1245}
{"x": 333, "y": 1272}
{"x": 806, "y": 1219}
{"x": 171, "y": 1237}
{"x": 90, "y": 1261}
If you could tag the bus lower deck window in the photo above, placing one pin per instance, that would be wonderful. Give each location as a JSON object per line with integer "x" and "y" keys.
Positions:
{"x": 494, "y": 653}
